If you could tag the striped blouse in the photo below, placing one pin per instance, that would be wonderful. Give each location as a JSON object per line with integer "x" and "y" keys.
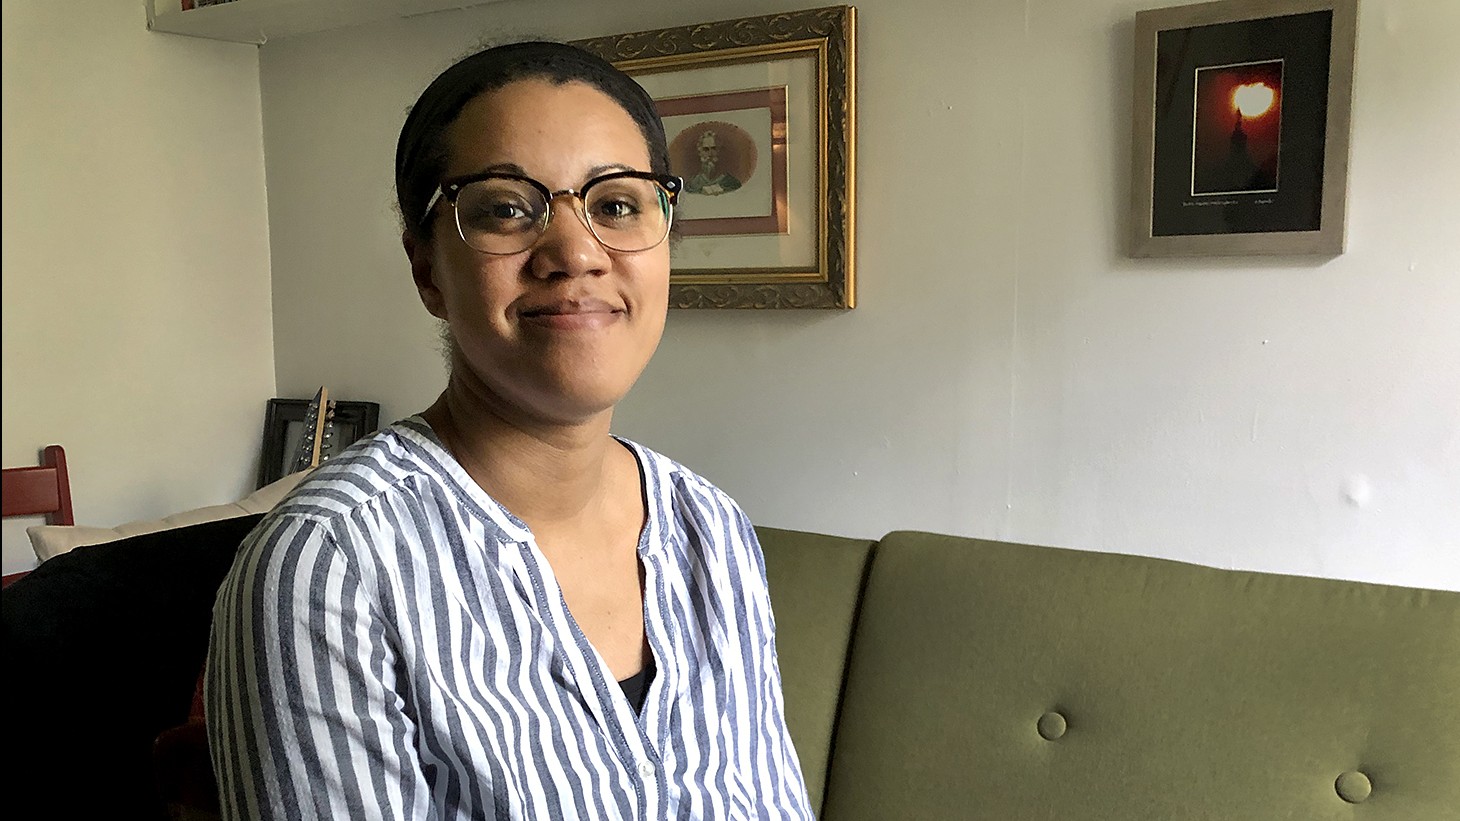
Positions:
{"x": 391, "y": 643}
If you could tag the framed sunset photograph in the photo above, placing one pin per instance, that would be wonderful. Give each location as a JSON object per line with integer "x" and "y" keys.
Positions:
{"x": 1241, "y": 127}
{"x": 1237, "y": 129}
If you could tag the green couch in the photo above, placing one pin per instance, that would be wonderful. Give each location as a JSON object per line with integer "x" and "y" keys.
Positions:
{"x": 939, "y": 677}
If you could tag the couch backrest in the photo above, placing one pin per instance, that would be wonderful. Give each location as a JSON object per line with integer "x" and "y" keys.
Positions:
{"x": 998, "y": 681}
{"x": 815, "y": 583}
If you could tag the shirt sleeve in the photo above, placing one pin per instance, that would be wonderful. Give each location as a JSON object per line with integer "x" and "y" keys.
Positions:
{"x": 785, "y": 785}
{"x": 304, "y": 721}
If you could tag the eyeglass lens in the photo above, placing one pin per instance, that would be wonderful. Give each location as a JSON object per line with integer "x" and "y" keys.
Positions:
{"x": 506, "y": 216}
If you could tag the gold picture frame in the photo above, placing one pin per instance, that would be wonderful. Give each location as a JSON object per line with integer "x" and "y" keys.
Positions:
{"x": 771, "y": 99}
{"x": 1264, "y": 174}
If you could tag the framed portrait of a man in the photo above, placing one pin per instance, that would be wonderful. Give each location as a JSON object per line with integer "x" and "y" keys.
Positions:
{"x": 759, "y": 114}
{"x": 730, "y": 148}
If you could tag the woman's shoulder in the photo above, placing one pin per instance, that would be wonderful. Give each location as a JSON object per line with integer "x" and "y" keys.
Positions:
{"x": 344, "y": 507}
{"x": 378, "y": 464}
{"x": 384, "y": 475}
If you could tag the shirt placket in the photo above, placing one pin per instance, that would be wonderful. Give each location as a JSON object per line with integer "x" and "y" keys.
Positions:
{"x": 614, "y": 717}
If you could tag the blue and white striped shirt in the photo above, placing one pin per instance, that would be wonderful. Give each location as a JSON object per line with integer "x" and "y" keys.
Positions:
{"x": 391, "y": 643}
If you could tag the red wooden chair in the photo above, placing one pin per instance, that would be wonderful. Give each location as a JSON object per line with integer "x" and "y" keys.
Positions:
{"x": 31, "y": 491}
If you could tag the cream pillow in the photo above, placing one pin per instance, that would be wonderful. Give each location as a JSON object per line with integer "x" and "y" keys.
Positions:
{"x": 53, "y": 540}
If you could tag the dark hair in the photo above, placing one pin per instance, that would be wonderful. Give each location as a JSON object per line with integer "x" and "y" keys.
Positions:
{"x": 420, "y": 154}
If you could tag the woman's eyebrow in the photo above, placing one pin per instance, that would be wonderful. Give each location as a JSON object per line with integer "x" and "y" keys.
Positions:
{"x": 600, "y": 170}
{"x": 503, "y": 168}
{"x": 514, "y": 168}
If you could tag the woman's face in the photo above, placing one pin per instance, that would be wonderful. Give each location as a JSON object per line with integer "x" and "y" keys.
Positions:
{"x": 560, "y": 331}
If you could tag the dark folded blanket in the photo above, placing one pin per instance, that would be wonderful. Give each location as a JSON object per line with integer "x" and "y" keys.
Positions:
{"x": 102, "y": 647}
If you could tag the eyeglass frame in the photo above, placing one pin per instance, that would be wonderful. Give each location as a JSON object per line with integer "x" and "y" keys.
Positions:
{"x": 451, "y": 187}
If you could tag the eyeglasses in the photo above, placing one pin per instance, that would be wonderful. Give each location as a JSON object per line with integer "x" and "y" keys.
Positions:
{"x": 498, "y": 213}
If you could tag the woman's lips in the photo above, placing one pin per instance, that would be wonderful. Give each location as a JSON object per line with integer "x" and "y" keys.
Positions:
{"x": 572, "y": 314}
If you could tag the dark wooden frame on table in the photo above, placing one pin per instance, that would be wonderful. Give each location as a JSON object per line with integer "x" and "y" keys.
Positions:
{"x": 351, "y": 420}
{"x": 791, "y": 258}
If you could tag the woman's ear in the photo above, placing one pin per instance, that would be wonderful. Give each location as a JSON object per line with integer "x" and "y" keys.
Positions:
{"x": 423, "y": 272}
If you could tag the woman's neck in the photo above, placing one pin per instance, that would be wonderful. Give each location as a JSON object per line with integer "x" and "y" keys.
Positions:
{"x": 549, "y": 475}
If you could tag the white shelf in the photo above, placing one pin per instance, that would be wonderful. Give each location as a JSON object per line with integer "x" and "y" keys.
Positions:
{"x": 258, "y": 21}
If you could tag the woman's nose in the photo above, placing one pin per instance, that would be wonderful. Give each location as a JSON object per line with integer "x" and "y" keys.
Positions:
{"x": 567, "y": 245}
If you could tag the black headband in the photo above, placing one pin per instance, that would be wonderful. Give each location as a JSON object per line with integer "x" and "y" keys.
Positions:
{"x": 417, "y": 153}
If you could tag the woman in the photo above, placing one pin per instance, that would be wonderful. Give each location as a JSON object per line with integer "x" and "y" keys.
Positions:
{"x": 495, "y": 609}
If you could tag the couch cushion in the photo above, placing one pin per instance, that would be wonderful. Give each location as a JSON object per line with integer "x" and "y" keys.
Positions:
{"x": 815, "y": 583}
{"x": 52, "y": 540}
{"x": 998, "y": 681}
{"x": 102, "y": 648}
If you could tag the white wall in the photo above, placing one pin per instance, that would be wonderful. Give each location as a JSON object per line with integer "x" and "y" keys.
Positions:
{"x": 137, "y": 326}
{"x": 1009, "y": 372}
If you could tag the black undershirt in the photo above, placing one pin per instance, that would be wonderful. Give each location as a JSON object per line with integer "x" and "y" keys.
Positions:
{"x": 635, "y": 687}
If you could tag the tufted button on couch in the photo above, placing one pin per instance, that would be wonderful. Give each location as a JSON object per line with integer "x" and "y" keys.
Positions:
{"x": 935, "y": 677}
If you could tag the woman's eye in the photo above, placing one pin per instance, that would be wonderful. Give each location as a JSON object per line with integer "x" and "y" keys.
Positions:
{"x": 490, "y": 215}
{"x": 506, "y": 211}
{"x": 616, "y": 209}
